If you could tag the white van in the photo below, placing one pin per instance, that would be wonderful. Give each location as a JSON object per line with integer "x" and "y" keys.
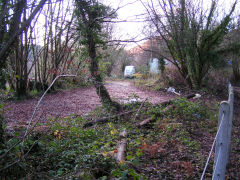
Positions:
{"x": 129, "y": 71}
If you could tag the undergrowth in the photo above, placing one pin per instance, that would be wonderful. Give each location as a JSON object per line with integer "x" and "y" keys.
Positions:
{"x": 168, "y": 148}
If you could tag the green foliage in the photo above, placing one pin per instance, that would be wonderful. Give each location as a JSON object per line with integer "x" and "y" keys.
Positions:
{"x": 91, "y": 23}
{"x": 6, "y": 94}
{"x": 105, "y": 67}
{"x": 199, "y": 57}
{"x": 230, "y": 49}
{"x": 125, "y": 173}
{"x": 74, "y": 148}
{"x": 34, "y": 92}
{"x": 187, "y": 110}
{"x": 11, "y": 166}
{"x": 193, "y": 38}
{"x": 69, "y": 151}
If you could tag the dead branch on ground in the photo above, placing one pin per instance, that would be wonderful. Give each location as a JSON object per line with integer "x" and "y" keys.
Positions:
{"x": 145, "y": 122}
{"x": 165, "y": 103}
{"x": 105, "y": 119}
{"x": 136, "y": 115}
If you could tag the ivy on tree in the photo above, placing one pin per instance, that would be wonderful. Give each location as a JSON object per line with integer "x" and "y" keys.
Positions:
{"x": 91, "y": 17}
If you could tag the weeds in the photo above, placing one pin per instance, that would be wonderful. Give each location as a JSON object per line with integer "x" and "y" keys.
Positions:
{"x": 68, "y": 150}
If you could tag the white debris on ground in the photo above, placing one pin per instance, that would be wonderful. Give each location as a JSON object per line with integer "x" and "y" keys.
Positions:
{"x": 171, "y": 89}
{"x": 197, "y": 96}
{"x": 132, "y": 100}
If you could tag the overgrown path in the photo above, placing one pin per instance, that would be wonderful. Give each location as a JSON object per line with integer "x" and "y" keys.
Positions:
{"x": 75, "y": 101}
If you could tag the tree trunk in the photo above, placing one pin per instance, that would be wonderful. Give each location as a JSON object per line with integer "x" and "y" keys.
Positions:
{"x": 90, "y": 29}
{"x": 97, "y": 79}
{"x": 21, "y": 87}
{"x": 13, "y": 33}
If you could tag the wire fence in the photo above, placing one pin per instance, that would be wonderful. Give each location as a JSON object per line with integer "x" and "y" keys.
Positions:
{"x": 222, "y": 139}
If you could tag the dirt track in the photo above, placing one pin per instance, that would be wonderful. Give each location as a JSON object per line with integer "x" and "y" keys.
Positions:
{"x": 78, "y": 101}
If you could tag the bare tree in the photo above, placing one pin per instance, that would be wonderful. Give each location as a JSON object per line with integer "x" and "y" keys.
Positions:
{"x": 21, "y": 57}
{"x": 59, "y": 41}
{"x": 16, "y": 27}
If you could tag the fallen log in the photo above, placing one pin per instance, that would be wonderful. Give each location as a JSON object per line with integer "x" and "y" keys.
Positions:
{"x": 105, "y": 119}
{"x": 122, "y": 146}
{"x": 148, "y": 120}
{"x": 120, "y": 156}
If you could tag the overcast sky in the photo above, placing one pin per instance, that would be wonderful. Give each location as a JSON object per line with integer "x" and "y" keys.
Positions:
{"x": 133, "y": 10}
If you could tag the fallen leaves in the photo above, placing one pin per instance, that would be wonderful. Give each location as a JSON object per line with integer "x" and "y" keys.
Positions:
{"x": 183, "y": 165}
{"x": 79, "y": 101}
{"x": 153, "y": 149}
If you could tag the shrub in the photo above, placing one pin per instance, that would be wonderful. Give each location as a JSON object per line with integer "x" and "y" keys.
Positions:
{"x": 173, "y": 77}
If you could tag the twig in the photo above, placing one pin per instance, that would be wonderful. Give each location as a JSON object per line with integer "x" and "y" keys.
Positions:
{"x": 145, "y": 121}
{"x": 136, "y": 115}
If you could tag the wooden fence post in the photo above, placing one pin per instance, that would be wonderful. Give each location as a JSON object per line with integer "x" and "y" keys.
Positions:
{"x": 231, "y": 101}
{"x": 221, "y": 156}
